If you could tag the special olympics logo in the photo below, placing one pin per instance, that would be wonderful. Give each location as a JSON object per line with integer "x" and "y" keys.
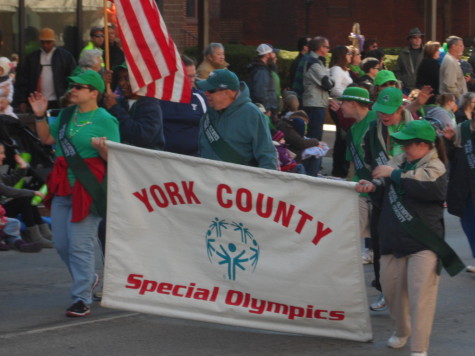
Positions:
{"x": 231, "y": 245}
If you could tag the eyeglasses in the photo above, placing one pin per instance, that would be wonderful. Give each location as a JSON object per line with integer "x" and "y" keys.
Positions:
{"x": 46, "y": 42}
{"x": 99, "y": 36}
{"x": 80, "y": 86}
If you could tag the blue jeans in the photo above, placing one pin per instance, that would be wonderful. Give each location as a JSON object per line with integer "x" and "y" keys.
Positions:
{"x": 75, "y": 245}
{"x": 316, "y": 116}
{"x": 468, "y": 224}
{"x": 312, "y": 165}
{"x": 12, "y": 230}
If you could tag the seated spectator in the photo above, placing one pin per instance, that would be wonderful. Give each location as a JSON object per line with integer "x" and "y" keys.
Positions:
{"x": 467, "y": 106}
{"x": 444, "y": 110}
{"x": 370, "y": 67}
{"x": 10, "y": 229}
{"x": 287, "y": 162}
{"x": 291, "y": 103}
{"x": 19, "y": 202}
{"x": 6, "y": 88}
{"x": 294, "y": 128}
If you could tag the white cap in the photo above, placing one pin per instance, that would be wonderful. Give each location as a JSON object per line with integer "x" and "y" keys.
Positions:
{"x": 264, "y": 48}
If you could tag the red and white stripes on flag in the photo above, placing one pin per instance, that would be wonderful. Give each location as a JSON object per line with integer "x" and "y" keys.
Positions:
{"x": 155, "y": 66}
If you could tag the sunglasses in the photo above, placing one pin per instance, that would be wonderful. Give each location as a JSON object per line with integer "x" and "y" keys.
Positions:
{"x": 212, "y": 91}
{"x": 80, "y": 86}
{"x": 99, "y": 36}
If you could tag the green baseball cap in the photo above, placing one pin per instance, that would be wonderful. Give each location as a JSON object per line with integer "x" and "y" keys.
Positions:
{"x": 356, "y": 94}
{"x": 416, "y": 129}
{"x": 384, "y": 76}
{"x": 388, "y": 101}
{"x": 89, "y": 77}
{"x": 220, "y": 79}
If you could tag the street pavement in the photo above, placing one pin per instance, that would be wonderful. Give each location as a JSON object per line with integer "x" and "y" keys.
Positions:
{"x": 34, "y": 294}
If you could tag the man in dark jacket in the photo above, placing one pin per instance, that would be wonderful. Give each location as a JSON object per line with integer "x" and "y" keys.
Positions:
{"x": 261, "y": 84}
{"x": 409, "y": 60}
{"x": 45, "y": 70}
{"x": 140, "y": 117}
{"x": 182, "y": 120}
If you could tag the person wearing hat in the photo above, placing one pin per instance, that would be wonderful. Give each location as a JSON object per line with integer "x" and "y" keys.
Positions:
{"x": 378, "y": 149}
{"x": 45, "y": 70}
{"x": 355, "y": 104}
{"x": 261, "y": 82}
{"x": 452, "y": 79}
{"x": 234, "y": 129}
{"x": 411, "y": 231}
{"x": 140, "y": 117}
{"x": 76, "y": 192}
{"x": 96, "y": 35}
{"x": 409, "y": 59}
{"x": 213, "y": 58}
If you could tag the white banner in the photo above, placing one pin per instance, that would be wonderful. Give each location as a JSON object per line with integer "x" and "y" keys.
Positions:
{"x": 212, "y": 241}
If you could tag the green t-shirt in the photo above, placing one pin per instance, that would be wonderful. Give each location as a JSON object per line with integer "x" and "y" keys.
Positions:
{"x": 96, "y": 123}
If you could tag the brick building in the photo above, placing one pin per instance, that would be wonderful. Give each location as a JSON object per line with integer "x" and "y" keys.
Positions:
{"x": 281, "y": 22}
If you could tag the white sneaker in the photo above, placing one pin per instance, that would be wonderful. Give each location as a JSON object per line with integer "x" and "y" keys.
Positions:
{"x": 396, "y": 342}
{"x": 380, "y": 304}
{"x": 418, "y": 353}
{"x": 470, "y": 269}
{"x": 367, "y": 256}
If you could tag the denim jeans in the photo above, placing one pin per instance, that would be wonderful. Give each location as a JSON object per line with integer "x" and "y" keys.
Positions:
{"x": 316, "y": 116}
{"x": 12, "y": 230}
{"x": 75, "y": 245}
{"x": 468, "y": 224}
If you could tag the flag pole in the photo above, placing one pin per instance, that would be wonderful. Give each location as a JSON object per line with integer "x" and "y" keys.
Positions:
{"x": 106, "y": 44}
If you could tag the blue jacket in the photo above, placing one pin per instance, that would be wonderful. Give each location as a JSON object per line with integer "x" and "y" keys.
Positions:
{"x": 142, "y": 124}
{"x": 261, "y": 86}
{"x": 243, "y": 126}
{"x": 182, "y": 123}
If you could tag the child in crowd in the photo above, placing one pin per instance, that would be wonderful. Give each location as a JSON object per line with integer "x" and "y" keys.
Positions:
{"x": 6, "y": 88}
{"x": 287, "y": 161}
{"x": 10, "y": 229}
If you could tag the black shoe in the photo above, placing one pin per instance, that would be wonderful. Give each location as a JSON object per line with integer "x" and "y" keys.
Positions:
{"x": 23, "y": 246}
{"x": 78, "y": 309}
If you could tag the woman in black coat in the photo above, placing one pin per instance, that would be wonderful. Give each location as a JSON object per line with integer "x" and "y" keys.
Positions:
{"x": 428, "y": 71}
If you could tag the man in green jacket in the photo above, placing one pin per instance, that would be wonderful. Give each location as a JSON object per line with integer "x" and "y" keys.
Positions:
{"x": 234, "y": 129}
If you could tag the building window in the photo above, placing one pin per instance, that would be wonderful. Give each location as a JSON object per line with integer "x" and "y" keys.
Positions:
{"x": 191, "y": 8}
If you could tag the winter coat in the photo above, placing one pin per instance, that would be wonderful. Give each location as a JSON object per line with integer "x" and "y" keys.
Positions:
{"x": 243, "y": 126}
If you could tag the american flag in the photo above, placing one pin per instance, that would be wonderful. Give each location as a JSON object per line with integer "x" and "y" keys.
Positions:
{"x": 155, "y": 66}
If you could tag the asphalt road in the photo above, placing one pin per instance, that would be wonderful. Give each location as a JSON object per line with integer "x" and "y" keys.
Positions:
{"x": 34, "y": 293}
